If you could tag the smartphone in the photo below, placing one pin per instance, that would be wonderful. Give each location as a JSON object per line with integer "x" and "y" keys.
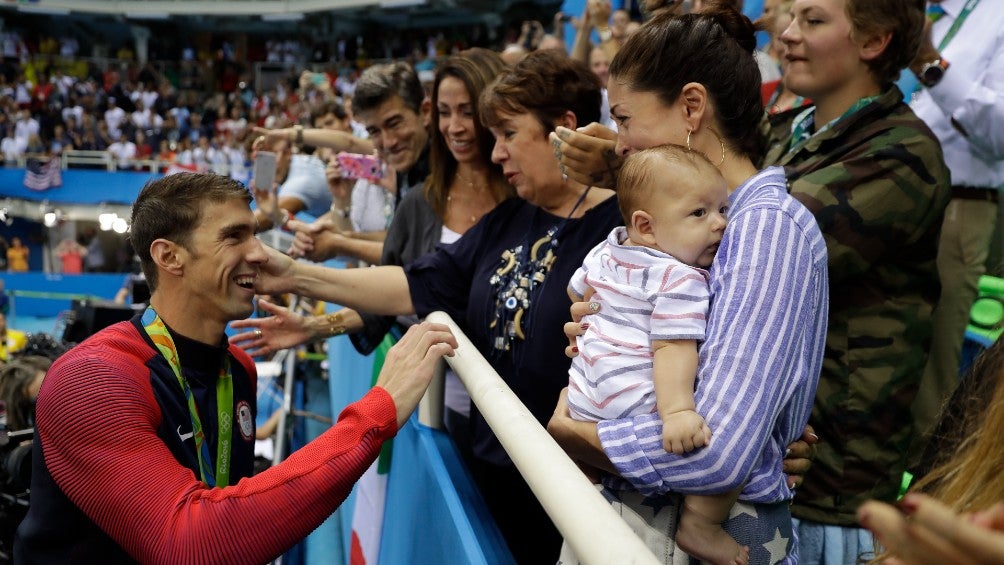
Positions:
{"x": 357, "y": 166}
{"x": 263, "y": 173}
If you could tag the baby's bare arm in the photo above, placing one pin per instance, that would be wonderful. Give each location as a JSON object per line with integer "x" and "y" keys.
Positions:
{"x": 674, "y": 368}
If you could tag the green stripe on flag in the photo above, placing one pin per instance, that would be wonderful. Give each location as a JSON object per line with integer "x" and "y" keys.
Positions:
{"x": 379, "y": 355}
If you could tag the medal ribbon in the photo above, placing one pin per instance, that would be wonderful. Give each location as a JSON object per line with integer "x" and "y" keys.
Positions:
{"x": 161, "y": 338}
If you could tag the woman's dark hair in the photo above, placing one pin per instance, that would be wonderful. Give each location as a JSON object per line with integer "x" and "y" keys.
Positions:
{"x": 546, "y": 84}
{"x": 714, "y": 48}
{"x": 15, "y": 377}
{"x": 476, "y": 68}
{"x": 904, "y": 19}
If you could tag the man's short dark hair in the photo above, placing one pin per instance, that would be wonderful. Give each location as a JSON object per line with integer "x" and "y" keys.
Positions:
{"x": 171, "y": 207}
{"x": 379, "y": 83}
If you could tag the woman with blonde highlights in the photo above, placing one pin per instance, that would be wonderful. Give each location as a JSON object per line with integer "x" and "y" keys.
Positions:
{"x": 954, "y": 513}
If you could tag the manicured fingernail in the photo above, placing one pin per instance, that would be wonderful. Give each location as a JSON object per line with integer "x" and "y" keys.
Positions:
{"x": 863, "y": 517}
{"x": 909, "y": 504}
{"x": 814, "y": 436}
{"x": 575, "y": 349}
{"x": 787, "y": 452}
{"x": 594, "y": 307}
{"x": 584, "y": 326}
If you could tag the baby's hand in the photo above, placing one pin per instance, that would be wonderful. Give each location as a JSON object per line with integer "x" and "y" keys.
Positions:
{"x": 684, "y": 431}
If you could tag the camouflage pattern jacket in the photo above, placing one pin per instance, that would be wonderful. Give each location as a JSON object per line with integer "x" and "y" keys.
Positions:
{"x": 878, "y": 185}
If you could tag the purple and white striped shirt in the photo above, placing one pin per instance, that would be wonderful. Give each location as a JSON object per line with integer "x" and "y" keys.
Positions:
{"x": 759, "y": 363}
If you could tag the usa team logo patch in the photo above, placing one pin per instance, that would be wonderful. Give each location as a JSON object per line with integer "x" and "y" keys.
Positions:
{"x": 245, "y": 420}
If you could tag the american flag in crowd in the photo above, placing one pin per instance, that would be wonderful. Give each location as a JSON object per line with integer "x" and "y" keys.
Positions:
{"x": 42, "y": 176}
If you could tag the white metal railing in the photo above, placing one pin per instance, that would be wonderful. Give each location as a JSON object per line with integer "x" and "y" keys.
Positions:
{"x": 589, "y": 524}
{"x": 87, "y": 158}
{"x": 22, "y": 160}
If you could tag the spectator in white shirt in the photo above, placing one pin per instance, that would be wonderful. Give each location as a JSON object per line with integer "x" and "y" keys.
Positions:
{"x": 123, "y": 151}
{"x": 960, "y": 96}
{"x": 22, "y": 91}
{"x": 149, "y": 95}
{"x": 204, "y": 153}
{"x": 25, "y": 126}
{"x": 235, "y": 126}
{"x": 114, "y": 117}
{"x": 63, "y": 83}
{"x": 237, "y": 159}
{"x": 144, "y": 118}
{"x": 184, "y": 156}
{"x": 12, "y": 147}
{"x": 73, "y": 109}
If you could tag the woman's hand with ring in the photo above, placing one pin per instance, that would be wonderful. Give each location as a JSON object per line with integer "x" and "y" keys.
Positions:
{"x": 282, "y": 329}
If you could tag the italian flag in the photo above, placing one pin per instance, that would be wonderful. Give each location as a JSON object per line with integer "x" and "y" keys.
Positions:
{"x": 371, "y": 490}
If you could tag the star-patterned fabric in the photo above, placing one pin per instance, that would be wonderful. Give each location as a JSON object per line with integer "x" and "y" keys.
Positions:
{"x": 765, "y": 528}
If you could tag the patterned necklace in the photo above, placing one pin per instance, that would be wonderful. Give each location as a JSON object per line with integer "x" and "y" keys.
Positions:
{"x": 521, "y": 273}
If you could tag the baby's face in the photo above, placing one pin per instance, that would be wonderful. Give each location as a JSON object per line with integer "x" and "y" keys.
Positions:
{"x": 688, "y": 217}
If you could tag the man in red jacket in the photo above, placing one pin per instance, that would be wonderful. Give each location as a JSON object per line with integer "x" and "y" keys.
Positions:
{"x": 146, "y": 429}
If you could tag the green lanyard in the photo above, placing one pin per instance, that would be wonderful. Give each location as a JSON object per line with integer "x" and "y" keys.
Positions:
{"x": 161, "y": 338}
{"x": 801, "y": 128}
{"x": 968, "y": 9}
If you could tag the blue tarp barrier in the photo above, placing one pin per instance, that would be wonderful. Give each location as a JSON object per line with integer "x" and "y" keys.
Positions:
{"x": 79, "y": 186}
{"x": 434, "y": 512}
{"x": 28, "y": 290}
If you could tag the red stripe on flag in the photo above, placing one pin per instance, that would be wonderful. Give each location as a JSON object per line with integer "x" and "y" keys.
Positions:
{"x": 356, "y": 556}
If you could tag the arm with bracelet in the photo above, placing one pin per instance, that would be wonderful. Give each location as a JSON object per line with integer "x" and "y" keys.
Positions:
{"x": 319, "y": 137}
{"x": 596, "y": 16}
{"x": 284, "y": 328}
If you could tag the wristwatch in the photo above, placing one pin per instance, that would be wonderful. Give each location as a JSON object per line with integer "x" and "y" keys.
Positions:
{"x": 931, "y": 73}
{"x": 298, "y": 135}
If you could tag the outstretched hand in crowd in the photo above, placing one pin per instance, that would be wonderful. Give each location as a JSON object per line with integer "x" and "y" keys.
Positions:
{"x": 281, "y": 329}
{"x": 924, "y": 531}
{"x": 317, "y": 241}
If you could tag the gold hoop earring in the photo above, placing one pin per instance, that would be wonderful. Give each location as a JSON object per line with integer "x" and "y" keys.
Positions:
{"x": 721, "y": 142}
{"x": 718, "y": 137}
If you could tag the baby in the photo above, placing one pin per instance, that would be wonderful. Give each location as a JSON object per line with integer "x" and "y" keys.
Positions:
{"x": 640, "y": 353}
